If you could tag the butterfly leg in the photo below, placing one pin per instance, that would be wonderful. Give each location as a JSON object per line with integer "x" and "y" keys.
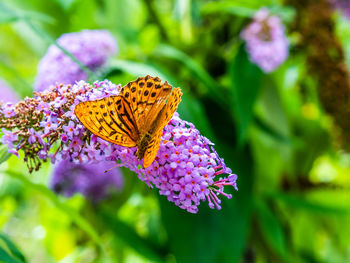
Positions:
{"x": 158, "y": 166}
{"x": 116, "y": 166}
{"x": 166, "y": 141}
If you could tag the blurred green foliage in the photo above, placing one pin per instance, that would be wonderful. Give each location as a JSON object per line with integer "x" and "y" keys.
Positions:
{"x": 294, "y": 185}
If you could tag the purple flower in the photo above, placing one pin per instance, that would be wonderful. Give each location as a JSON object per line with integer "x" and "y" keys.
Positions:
{"x": 76, "y": 144}
{"x": 343, "y": 6}
{"x": 91, "y": 47}
{"x": 43, "y": 106}
{"x": 48, "y": 126}
{"x": 8, "y": 110}
{"x": 186, "y": 170}
{"x": 88, "y": 179}
{"x": 6, "y": 93}
{"x": 70, "y": 129}
{"x": 266, "y": 41}
{"x": 8, "y": 138}
{"x": 33, "y": 136}
{"x": 42, "y": 154}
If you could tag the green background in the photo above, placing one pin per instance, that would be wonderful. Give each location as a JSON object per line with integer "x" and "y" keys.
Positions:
{"x": 293, "y": 180}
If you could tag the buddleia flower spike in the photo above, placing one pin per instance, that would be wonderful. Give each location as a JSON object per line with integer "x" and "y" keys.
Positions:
{"x": 187, "y": 169}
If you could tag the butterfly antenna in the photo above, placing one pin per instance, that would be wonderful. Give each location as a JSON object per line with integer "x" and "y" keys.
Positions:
{"x": 116, "y": 166}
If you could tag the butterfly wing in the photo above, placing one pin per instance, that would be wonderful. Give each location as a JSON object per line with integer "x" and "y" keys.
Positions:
{"x": 143, "y": 106}
{"x": 170, "y": 107}
{"x": 146, "y": 97}
{"x": 152, "y": 149}
{"x": 163, "y": 118}
{"x": 108, "y": 118}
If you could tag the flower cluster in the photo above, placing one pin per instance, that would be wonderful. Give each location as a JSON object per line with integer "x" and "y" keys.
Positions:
{"x": 88, "y": 179}
{"x": 186, "y": 169}
{"x": 266, "y": 41}
{"x": 6, "y": 93}
{"x": 343, "y": 6}
{"x": 91, "y": 47}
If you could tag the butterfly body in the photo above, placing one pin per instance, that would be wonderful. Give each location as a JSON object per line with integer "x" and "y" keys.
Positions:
{"x": 136, "y": 117}
{"x": 142, "y": 145}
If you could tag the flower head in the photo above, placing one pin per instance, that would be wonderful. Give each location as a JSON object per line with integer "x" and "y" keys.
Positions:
{"x": 88, "y": 179}
{"x": 187, "y": 170}
{"x": 91, "y": 47}
{"x": 266, "y": 41}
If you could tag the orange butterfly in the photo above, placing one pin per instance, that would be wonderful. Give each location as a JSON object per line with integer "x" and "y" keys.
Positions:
{"x": 136, "y": 117}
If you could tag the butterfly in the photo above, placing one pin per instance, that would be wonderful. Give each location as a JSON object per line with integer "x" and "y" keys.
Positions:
{"x": 135, "y": 117}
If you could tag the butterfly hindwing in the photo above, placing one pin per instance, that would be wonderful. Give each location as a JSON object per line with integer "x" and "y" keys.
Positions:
{"x": 171, "y": 106}
{"x": 147, "y": 97}
{"x": 152, "y": 149}
{"x": 161, "y": 121}
{"x": 155, "y": 113}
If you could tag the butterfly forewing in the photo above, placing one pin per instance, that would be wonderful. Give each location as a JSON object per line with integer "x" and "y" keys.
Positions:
{"x": 126, "y": 118}
{"x": 99, "y": 118}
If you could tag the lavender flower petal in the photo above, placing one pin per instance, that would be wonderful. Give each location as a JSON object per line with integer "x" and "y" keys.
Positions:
{"x": 6, "y": 93}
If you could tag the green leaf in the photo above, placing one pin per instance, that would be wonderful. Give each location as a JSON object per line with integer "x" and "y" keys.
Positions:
{"x": 4, "y": 154}
{"x": 7, "y": 258}
{"x": 66, "y": 4}
{"x": 270, "y": 116}
{"x": 302, "y": 203}
{"x": 212, "y": 235}
{"x": 192, "y": 110}
{"x": 198, "y": 71}
{"x": 266, "y": 128}
{"x": 229, "y": 8}
{"x": 9, "y": 15}
{"x": 13, "y": 248}
{"x": 246, "y": 79}
{"x": 286, "y": 13}
{"x": 271, "y": 228}
{"x": 76, "y": 217}
{"x": 137, "y": 69}
{"x": 247, "y": 10}
{"x": 22, "y": 86}
{"x": 127, "y": 234}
